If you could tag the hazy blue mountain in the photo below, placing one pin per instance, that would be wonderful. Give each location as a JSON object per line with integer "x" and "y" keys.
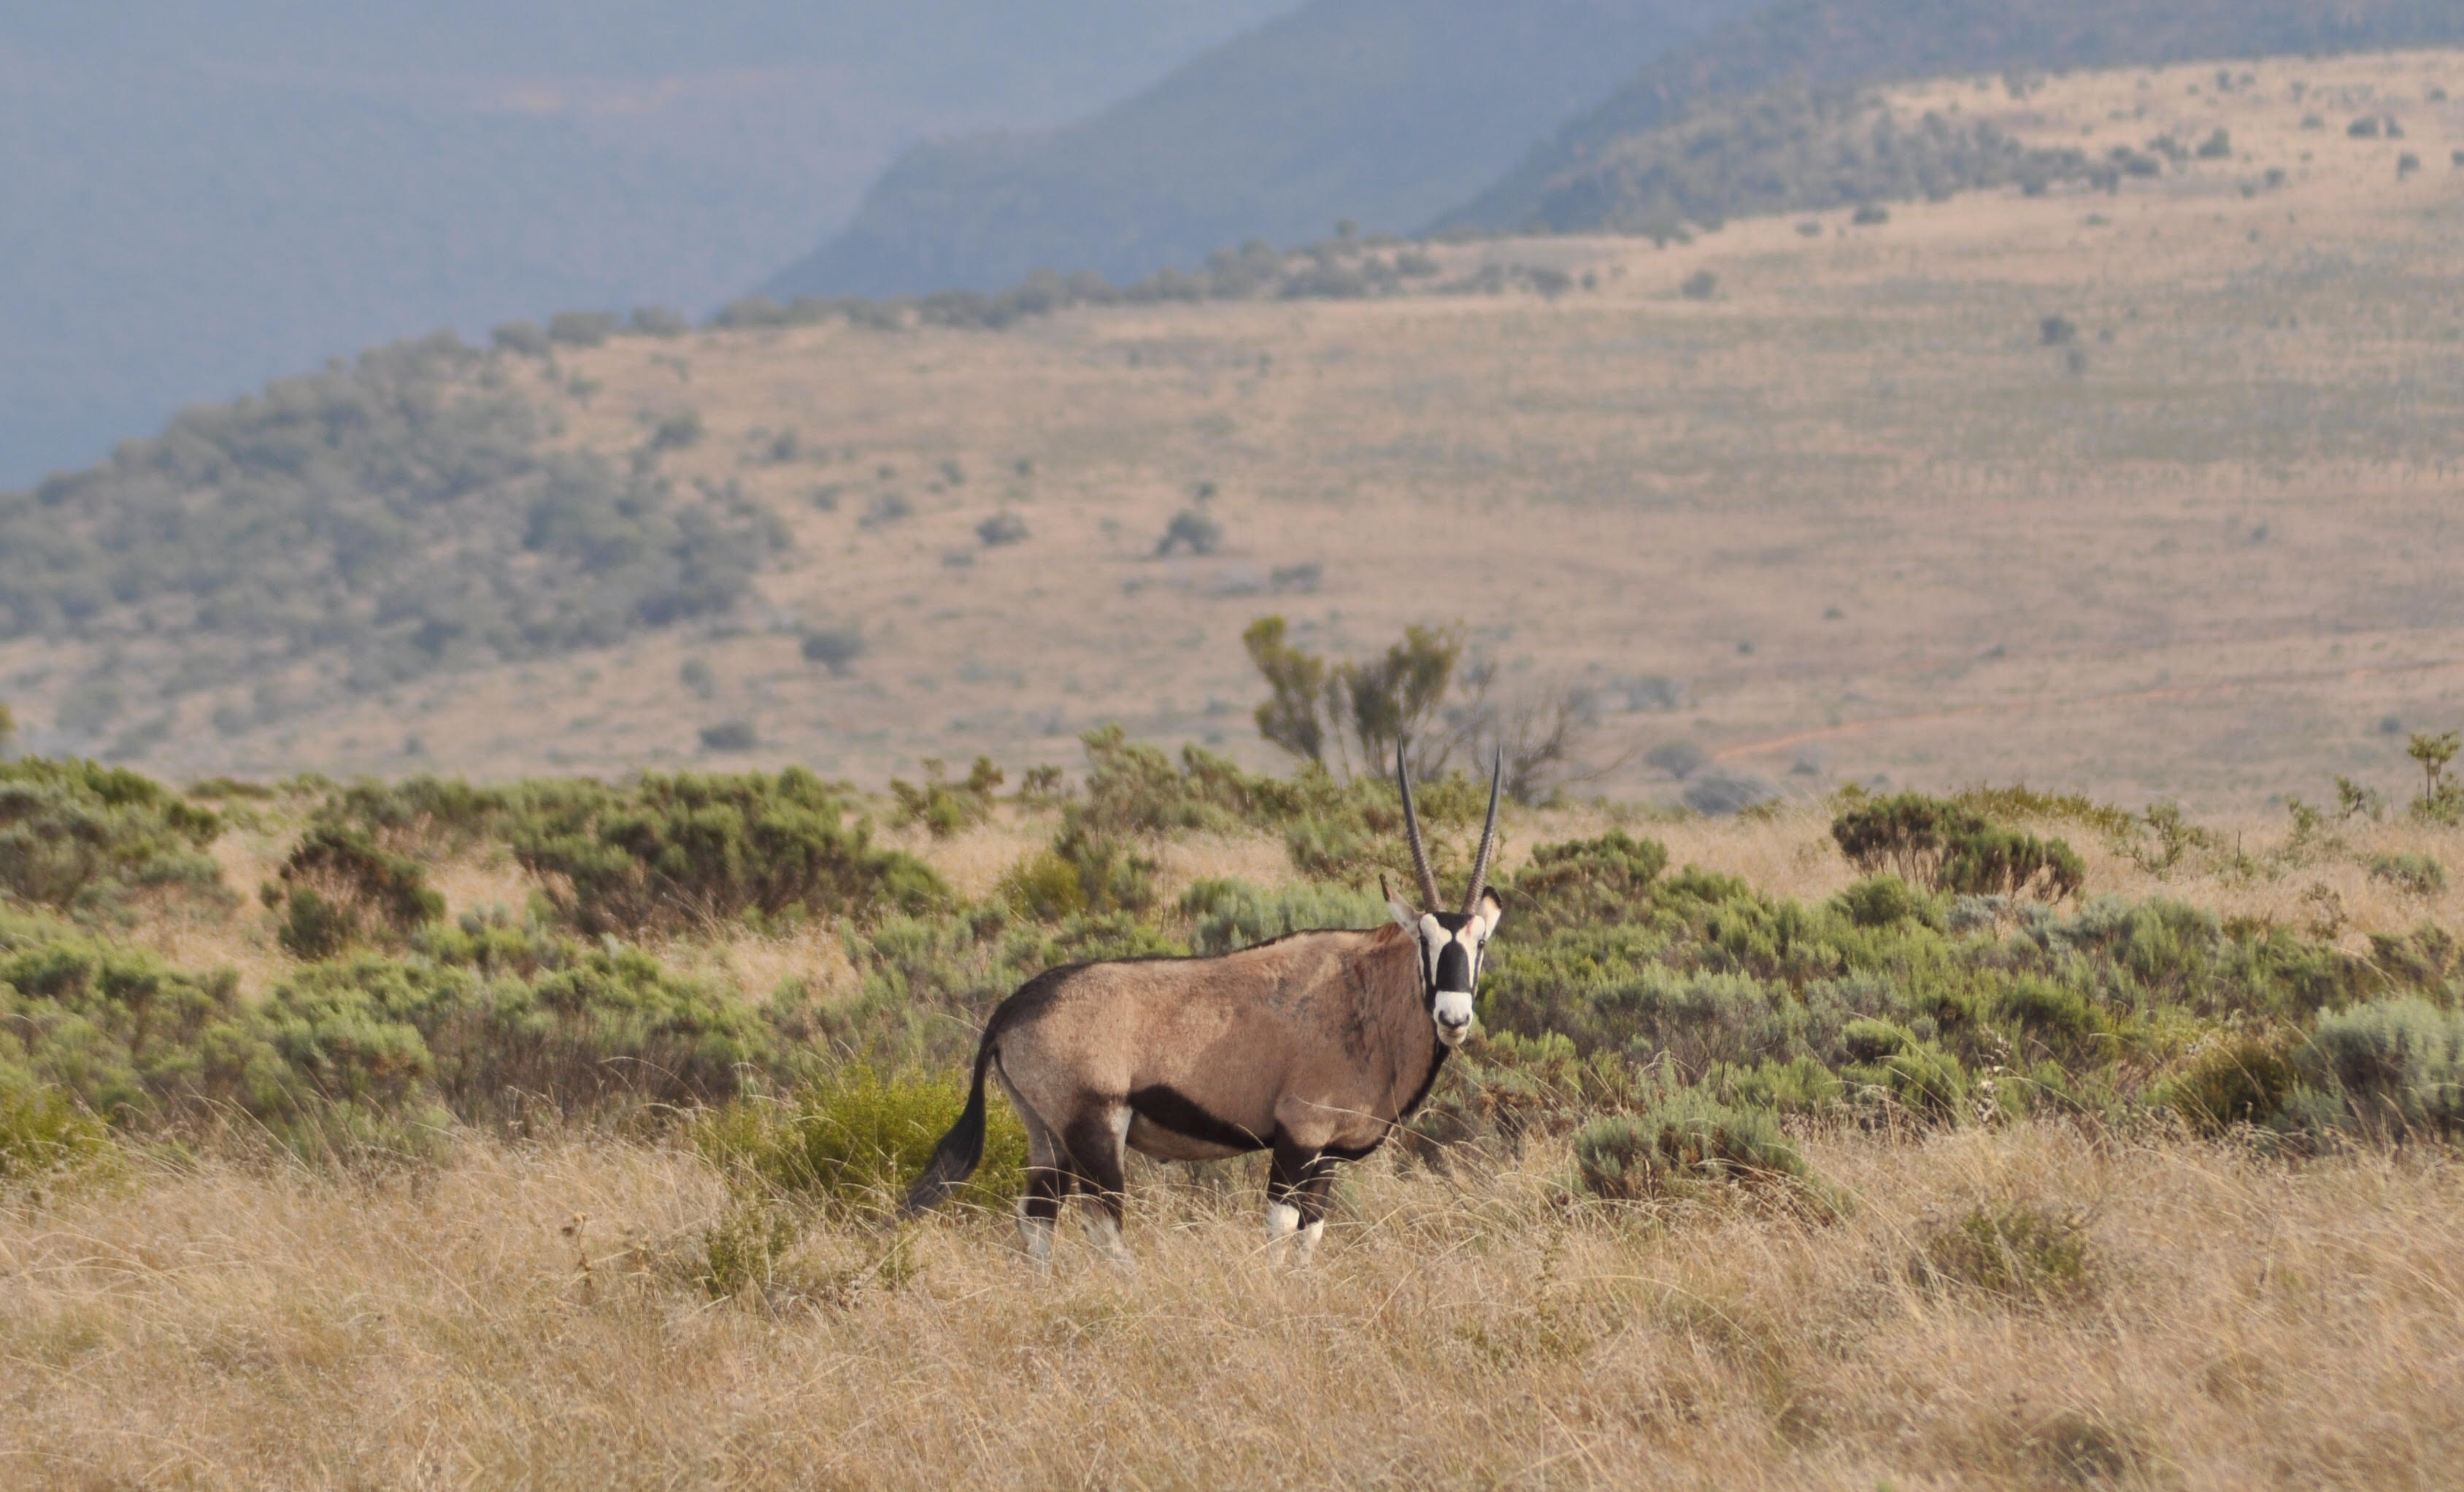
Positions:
{"x": 195, "y": 197}
{"x": 1381, "y": 111}
{"x": 1575, "y": 179}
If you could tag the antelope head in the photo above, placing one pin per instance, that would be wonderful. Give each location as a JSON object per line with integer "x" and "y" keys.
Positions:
{"x": 1451, "y": 942}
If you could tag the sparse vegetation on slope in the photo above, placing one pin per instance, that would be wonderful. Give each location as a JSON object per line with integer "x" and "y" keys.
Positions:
{"x": 1620, "y": 160}
{"x": 406, "y": 513}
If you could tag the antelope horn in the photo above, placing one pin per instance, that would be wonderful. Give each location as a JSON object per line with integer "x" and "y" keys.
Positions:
{"x": 1487, "y": 841}
{"x": 1412, "y": 831}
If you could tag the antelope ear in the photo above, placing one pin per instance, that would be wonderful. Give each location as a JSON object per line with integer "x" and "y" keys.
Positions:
{"x": 1491, "y": 912}
{"x": 1404, "y": 917}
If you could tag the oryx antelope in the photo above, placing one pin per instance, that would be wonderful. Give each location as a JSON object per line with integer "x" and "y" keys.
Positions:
{"x": 1313, "y": 1047}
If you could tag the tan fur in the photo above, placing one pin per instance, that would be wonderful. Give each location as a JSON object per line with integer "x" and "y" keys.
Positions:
{"x": 1316, "y": 1040}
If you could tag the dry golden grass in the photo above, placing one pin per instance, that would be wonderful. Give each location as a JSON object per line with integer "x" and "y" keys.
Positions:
{"x": 528, "y": 1317}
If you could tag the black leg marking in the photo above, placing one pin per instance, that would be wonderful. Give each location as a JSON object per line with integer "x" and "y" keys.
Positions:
{"x": 1094, "y": 1151}
{"x": 1298, "y": 1179}
{"x": 1046, "y": 1186}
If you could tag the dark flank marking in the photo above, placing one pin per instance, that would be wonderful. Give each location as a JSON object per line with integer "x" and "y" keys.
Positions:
{"x": 1168, "y": 1108}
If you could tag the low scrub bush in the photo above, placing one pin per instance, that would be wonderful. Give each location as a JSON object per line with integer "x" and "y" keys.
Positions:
{"x": 119, "y": 1031}
{"x": 1234, "y": 914}
{"x": 689, "y": 850}
{"x": 45, "y": 1134}
{"x": 1585, "y": 883}
{"x": 1955, "y": 849}
{"x": 1883, "y": 901}
{"x": 2398, "y": 1065}
{"x": 1686, "y": 1146}
{"x": 2237, "y": 1080}
{"x": 944, "y": 807}
{"x": 858, "y": 1139}
{"x": 90, "y": 839}
{"x": 338, "y": 888}
{"x": 425, "y": 817}
{"x": 2020, "y": 1253}
{"x": 2415, "y": 875}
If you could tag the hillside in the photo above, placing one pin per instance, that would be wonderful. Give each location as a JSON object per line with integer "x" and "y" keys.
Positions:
{"x": 1586, "y": 176}
{"x": 202, "y": 197}
{"x": 1380, "y": 110}
{"x": 2146, "y": 491}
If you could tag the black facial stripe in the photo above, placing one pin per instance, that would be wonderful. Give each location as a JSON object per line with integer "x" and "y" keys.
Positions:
{"x": 1454, "y": 967}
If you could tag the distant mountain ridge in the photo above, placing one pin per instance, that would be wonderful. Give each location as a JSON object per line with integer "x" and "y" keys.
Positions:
{"x": 1564, "y": 185}
{"x": 1380, "y": 110}
{"x": 196, "y": 198}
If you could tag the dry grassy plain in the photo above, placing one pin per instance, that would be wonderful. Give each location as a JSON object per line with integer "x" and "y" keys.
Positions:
{"x": 527, "y": 1318}
{"x": 1852, "y": 505}
{"x": 529, "y": 1314}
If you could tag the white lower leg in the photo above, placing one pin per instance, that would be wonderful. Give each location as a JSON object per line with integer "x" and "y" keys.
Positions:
{"x": 1036, "y": 1234}
{"x": 1282, "y": 1219}
{"x": 1107, "y": 1234}
{"x": 1307, "y": 1242}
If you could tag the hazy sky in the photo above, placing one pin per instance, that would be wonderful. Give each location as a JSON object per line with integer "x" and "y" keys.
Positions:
{"x": 197, "y": 195}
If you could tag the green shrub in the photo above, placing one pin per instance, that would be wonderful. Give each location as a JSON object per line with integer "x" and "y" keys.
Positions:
{"x": 2020, "y": 1253}
{"x": 1882, "y": 901}
{"x": 1924, "y": 1080}
{"x": 43, "y": 1133}
{"x": 944, "y": 807}
{"x": 2415, "y": 875}
{"x": 2398, "y": 1064}
{"x": 2054, "y": 1021}
{"x": 87, "y": 838}
{"x": 338, "y": 888}
{"x": 424, "y": 816}
{"x": 1800, "y": 1085}
{"x": 1112, "y": 876}
{"x": 1234, "y": 914}
{"x": 1867, "y": 1040}
{"x": 1954, "y": 849}
{"x": 1687, "y": 1145}
{"x": 1042, "y": 886}
{"x": 1584, "y": 883}
{"x": 741, "y": 1253}
{"x": 687, "y": 849}
{"x": 2233, "y": 1081}
{"x": 2021, "y": 801}
{"x": 858, "y": 1140}
{"x": 124, "y": 1035}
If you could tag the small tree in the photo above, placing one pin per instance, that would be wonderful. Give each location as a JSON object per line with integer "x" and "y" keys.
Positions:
{"x": 2441, "y": 800}
{"x": 1296, "y": 681}
{"x": 1362, "y": 708}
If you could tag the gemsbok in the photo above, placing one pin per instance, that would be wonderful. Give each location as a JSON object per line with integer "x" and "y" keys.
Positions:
{"x": 1313, "y": 1047}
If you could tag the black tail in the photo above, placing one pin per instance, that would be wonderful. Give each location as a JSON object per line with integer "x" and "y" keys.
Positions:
{"x": 956, "y": 1157}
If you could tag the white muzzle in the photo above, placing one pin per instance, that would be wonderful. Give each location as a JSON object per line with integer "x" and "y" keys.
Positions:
{"x": 1453, "y": 1013}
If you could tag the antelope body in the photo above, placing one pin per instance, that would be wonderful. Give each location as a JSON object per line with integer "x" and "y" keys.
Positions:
{"x": 1314, "y": 1047}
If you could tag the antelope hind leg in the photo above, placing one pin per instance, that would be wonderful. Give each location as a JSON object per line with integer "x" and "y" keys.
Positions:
{"x": 1095, "y": 1145}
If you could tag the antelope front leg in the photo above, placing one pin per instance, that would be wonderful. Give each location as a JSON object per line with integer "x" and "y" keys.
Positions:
{"x": 1297, "y": 1186}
